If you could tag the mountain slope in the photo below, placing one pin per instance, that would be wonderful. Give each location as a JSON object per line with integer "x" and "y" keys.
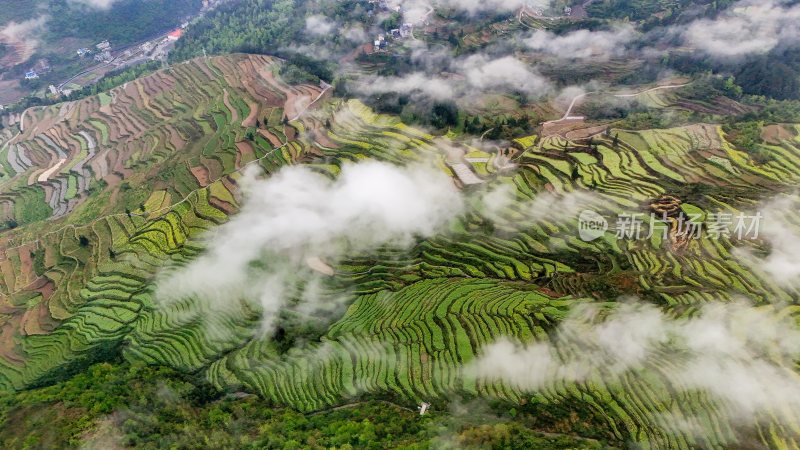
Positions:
{"x": 131, "y": 180}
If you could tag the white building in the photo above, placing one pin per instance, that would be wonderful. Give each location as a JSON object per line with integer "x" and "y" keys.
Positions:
{"x": 423, "y": 408}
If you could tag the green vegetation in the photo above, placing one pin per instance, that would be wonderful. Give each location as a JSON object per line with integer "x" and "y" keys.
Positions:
{"x": 22, "y": 10}
{"x": 424, "y": 314}
{"x": 116, "y": 78}
{"x": 152, "y": 165}
{"x": 32, "y": 207}
{"x": 146, "y": 407}
{"x": 63, "y": 26}
{"x": 128, "y": 22}
{"x": 250, "y": 26}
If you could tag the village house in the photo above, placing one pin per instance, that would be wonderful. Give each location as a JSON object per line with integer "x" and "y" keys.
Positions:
{"x": 380, "y": 43}
{"x": 175, "y": 35}
{"x": 104, "y": 56}
{"x": 405, "y": 30}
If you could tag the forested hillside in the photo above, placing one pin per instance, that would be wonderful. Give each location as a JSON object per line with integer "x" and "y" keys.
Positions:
{"x": 127, "y": 22}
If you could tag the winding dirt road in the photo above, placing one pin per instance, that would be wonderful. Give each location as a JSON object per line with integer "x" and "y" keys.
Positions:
{"x": 585, "y": 94}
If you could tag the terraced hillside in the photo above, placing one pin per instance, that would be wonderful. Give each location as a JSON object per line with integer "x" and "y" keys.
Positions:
{"x": 421, "y": 317}
{"x": 415, "y": 319}
{"x": 109, "y": 177}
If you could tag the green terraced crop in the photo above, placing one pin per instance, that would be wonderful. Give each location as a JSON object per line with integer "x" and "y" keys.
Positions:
{"x": 416, "y": 319}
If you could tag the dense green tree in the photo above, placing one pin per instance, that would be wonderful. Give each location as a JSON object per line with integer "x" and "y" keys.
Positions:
{"x": 444, "y": 114}
{"x": 770, "y": 78}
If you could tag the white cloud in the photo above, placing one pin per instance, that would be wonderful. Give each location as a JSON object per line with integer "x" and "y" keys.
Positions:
{"x": 471, "y": 77}
{"x": 96, "y": 4}
{"x": 26, "y": 35}
{"x": 749, "y": 27}
{"x": 780, "y": 227}
{"x": 259, "y": 256}
{"x": 319, "y": 25}
{"x": 740, "y": 354}
{"x": 478, "y": 6}
{"x": 434, "y": 87}
{"x": 505, "y": 72}
{"x": 356, "y": 34}
{"x": 503, "y": 205}
{"x": 583, "y": 44}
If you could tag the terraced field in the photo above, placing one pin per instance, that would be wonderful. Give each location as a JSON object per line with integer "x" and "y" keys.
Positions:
{"x": 119, "y": 187}
{"x": 144, "y": 176}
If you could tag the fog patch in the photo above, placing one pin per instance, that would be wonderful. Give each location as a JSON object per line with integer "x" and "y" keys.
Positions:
{"x": 417, "y": 83}
{"x": 780, "y": 228}
{"x": 95, "y": 4}
{"x": 582, "y": 44}
{"x": 506, "y": 72}
{"x": 25, "y": 36}
{"x": 482, "y": 6}
{"x": 748, "y": 27}
{"x": 355, "y": 34}
{"x": 318, "y": 25}
{"x": 740, "y": 354}
{"x": 465, "y": 78}
{"x": 505, "y": 207}
{"x": 258, "y": 259}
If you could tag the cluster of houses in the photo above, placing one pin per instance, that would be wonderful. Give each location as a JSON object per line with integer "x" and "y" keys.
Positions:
{"x": 380, "y": 43}
{"x": 403, "y": 32}
{"x": 102, "y": 52}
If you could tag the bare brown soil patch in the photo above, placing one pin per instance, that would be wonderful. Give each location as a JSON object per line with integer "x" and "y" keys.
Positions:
{"x": 34, "y": 320}
{"x": 7, "y": 342}
{"x": 201, "y": 174}
{"x": 562, "y": 127}
{"x": 26, "y": 265}
{"x": 226, "y": 100}
{"x": 585, "y": 133}
{"x": 244, "y": 153}
{"x": 9, "y": 278}
{"x": 271, "y": 138}
{"x": 777, "y": 133}
{"x": 10, "y": 91}
{"x": 252, "y": 116}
